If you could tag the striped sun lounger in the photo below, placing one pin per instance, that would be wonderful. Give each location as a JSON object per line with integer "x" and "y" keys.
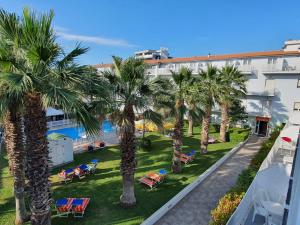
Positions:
{"x": 147, "y": 181}
{"x": 66, "y": 175}
{"x": 63, "y": 206}
{"x": 79, "y": 206}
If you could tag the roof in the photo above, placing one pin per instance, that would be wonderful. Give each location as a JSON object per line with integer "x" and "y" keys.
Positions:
{"x": 217, "y": 57}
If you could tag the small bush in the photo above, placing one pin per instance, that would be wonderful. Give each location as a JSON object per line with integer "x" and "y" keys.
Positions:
{"x": 217, "y": 127}
{"x": 146, "y": 143}
{"x": 225, "y": 208}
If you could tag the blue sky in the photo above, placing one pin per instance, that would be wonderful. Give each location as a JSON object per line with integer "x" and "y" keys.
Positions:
{"x": 186, "y": 27}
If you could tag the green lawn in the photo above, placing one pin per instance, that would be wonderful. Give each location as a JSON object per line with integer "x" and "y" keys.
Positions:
{"x": 104, "y": 187}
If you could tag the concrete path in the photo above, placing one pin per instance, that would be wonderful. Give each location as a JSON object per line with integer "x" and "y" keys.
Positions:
{"x": 194, "y": 209}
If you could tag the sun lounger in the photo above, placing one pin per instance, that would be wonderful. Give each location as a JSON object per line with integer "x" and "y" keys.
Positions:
{"x": 79, "y": 206}
{"x": 147, "y": 181}
{"x": 211, "y": 140}
{"x": 100, "y": 145}
{"x": 80, "y": 171}
{"x": 63, "y": 206}
{"x": 185, "y": 158}
{"x": 66, "y": 175}
{"x": 155, "y": 176}
{"x": 92, "y": 165}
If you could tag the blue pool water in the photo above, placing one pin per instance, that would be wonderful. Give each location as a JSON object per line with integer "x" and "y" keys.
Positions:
{"x": 79, "y": 132}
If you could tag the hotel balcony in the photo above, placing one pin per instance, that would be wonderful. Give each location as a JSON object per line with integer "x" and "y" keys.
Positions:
{"x": 274, "y": 69}
{"x": 273, "y": 196}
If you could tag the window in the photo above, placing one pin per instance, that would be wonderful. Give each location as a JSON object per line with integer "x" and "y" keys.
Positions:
{"x": 298, "y": 83}
{"x": 246, "y": 61}
{"x": 272, "y": 60}
{"x": 296, "y": 106}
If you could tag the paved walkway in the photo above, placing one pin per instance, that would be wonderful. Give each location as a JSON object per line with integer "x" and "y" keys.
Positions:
{"x": 194, "y": 209}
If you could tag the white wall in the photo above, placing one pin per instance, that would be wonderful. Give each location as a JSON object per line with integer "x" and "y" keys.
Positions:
{"x": 60, "y": 151}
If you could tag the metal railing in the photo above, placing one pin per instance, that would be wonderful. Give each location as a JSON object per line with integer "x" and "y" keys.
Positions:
{"x": 58, "y": 123}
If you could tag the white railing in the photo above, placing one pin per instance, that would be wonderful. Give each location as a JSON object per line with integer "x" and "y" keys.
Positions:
{"x": 241, "y": 214}
{"x": 58, "y": 123}
{"x": 280, "y": 68}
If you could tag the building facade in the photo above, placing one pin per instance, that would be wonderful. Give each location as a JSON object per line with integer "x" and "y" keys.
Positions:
{"x": 273, "y": 86}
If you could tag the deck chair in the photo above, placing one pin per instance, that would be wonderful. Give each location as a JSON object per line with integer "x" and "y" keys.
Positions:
{"x": 156, "y": 177}
{"x": 211, "y": 140}
{"x": 63, "y": 206}
{"x": 79, "y": 206}
{"x": 147, "y": 181}
{"x": 100, "y": 144}
{"x": 92, "y": 166}
{"x": 79, "y": 172}
{"x": 66, "y": 175}
{"x": 185, "y": 158}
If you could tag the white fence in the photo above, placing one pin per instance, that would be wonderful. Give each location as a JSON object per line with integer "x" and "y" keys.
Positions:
{"x": 58, "y": 123}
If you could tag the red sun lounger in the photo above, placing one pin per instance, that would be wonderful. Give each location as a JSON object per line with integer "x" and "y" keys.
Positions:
{"x": 63, "y": 206}
{"x": 79, "y": 206}
{"x": 149, "y": 182}
{"x": 66, "y": 175}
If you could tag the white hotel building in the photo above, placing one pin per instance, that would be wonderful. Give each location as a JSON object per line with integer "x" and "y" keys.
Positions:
{"x": 273, "y": 80}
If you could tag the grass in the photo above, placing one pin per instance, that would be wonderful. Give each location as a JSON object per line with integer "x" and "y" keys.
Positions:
{"x": 105, "y": 186}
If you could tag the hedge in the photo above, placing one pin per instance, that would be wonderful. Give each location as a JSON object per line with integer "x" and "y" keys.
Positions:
{"x": 228, "y": 203}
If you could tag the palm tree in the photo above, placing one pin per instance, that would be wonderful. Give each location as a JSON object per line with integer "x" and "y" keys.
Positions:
{"x": 133, "y": 91}
{"x": 208, "y": 89}
{"x": 45, "y": 76}
{"x": 173, "y": 98}
{"x": 10, "y": 106}
{"x": 233, "y": 87}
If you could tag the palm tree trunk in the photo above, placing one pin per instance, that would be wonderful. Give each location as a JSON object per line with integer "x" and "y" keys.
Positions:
{"x": 205, "y": 130}
{"x": 37, "y": 160}
{"x": 191, "y": 126}
{"x": 177, "y": 143}
{"x": 14, "y": 145}
{"x": 224, "y": 122}
{"x": 128, "y": 161}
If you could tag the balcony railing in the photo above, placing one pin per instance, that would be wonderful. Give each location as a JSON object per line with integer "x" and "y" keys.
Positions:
{"x": 280, "y": 68}
{"x": 52, "y": 124}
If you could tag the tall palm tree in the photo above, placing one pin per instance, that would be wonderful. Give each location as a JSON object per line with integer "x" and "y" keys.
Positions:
{"x": 233, "y": 87}
{"x": 208, "y": 90}
{"x": 10, "y": 110}
{"x": 133, "y": 91}
{"x": 173, "y": 98}
{"x": 46, "y": 75}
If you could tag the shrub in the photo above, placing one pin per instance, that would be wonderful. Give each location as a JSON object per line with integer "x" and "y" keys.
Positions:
{"x": 146, "y": 143}
{"x": 225, "y": 208}
{"x": 217, "y": 127}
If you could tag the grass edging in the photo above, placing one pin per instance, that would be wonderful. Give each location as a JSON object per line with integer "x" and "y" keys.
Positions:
{"x": 173, "y": 201}
{"x": 230, "y": 201}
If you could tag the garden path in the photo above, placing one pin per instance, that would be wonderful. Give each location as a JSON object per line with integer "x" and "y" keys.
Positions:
{"x": 194, "y": 209}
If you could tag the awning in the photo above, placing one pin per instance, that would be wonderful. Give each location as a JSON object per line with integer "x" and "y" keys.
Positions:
{"x": 264, "y": 119}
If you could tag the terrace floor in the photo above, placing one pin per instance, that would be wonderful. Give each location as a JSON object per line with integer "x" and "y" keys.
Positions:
{"x": 196, "y": 206}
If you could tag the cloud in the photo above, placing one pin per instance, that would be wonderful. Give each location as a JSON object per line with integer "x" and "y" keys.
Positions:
{"x": 64, "y": 34}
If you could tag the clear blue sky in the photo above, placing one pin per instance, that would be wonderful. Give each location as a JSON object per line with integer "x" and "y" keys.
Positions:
{"x": 186, "y": 27}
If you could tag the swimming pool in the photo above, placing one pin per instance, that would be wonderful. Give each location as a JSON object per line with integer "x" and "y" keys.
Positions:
{"x": 79, "y": 132}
